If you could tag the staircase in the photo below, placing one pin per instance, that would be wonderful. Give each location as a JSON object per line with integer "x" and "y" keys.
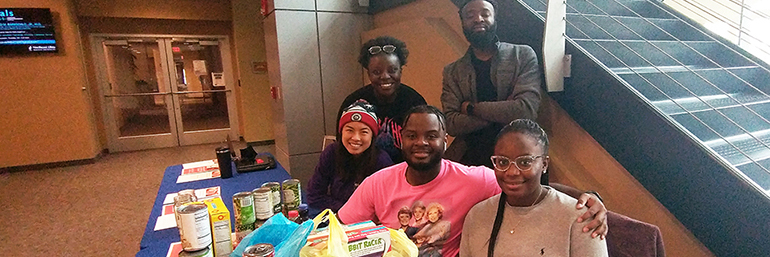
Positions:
{"x": 686, "y": 112}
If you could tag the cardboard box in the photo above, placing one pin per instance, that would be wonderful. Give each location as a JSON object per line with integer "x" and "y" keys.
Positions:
{"x": 364, "y": 240}
{"x": 222, "y": 244}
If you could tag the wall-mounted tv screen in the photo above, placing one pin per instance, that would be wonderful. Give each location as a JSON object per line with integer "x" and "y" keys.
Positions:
{"x": 26, "y": 30}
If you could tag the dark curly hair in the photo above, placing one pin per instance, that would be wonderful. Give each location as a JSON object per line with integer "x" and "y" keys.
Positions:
{"x": 527, "y": 127}
{"x": 429, "y": 109}
{"x": 401, "y": 51}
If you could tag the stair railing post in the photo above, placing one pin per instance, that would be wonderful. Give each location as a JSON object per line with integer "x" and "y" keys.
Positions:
{"x": 556, "y": 65}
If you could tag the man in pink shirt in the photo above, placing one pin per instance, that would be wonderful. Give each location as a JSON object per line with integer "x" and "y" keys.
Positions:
{"x": 447, "y": 188}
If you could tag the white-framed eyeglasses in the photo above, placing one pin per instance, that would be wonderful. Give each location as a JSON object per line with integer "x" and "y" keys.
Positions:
{"x": 386, "y": 48}
{"x": 523, "y": 163}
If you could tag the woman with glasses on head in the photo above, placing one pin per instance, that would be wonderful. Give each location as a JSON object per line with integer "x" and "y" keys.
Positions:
{"x": 383, "y": 58}
{"x": 346, "y": 162}
{"x": 527, "y": 218}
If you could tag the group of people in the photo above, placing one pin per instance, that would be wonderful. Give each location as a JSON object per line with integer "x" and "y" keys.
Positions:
{"x": 391, "y": 157}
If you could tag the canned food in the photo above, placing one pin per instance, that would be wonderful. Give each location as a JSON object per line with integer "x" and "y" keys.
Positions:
{"x": 275, "y": 188}
{"x": 259, "y": 250}
{"x": 205, "y": 252}
{"x": 292, "y": 196}
{"x": 263, "y": 203}
{"x": 179, "y": 200}
{"x": 189, "y": 192}
{"x": 194, "y": 226}
{"x": 243, "y": 206}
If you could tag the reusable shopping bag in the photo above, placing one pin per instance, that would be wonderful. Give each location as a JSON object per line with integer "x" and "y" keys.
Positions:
{"x": 286, "y": 236}
{"x": 336, "y": 246}
{"x": 401, "y": 245}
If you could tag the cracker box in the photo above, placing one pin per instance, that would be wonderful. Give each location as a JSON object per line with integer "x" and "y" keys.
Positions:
{"x": 220, "y": 227}
{"x": 366, "y": 241}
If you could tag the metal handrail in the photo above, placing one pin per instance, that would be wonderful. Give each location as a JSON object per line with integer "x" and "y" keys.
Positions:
{"x": 738, "y": 28}
{"x": 168, "y": 93}
{"x": 136, "y": 94}
{"x": 674, "y": 80}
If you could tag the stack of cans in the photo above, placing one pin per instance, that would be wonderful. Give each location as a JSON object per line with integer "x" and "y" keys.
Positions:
{"x": 192, "y": 219}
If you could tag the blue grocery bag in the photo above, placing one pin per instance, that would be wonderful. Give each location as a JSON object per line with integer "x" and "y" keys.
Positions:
{"x": 286, "y": 236}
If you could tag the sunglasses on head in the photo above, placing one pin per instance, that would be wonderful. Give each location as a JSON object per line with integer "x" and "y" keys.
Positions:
{"x": 386, "y": 48}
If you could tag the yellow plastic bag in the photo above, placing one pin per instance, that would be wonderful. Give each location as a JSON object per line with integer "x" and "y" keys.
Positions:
{"x": 336, "y": 246}
{"x": 400, "y": 245}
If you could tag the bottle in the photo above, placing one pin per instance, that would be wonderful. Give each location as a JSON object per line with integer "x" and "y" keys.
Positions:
{"x": 293, "y": 215}
{"x": 303, "y": 213}
{"x": 224, "y": 160}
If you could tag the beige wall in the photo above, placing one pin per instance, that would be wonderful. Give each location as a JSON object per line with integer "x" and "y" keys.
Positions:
{"x": 434, "y": 39}
{"x": 63, "y": 121}
{"x": 46, "y": 114}
{"x": 249, "y": 39}
{"x": 577, "y": 160}
{"x": 156, "y": 9}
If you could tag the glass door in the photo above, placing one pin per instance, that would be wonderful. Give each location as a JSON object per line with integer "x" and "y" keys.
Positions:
{"x": 163, "y": 92}
{"x": 202, "y": 89}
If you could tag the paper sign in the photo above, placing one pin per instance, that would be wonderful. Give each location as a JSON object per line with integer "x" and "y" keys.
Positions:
{"x": 206, "y": 163}
{"x": 165, "y": 222}
{"x": 199, "y": 66}
{"x": 198, "y": 176}
{"x": 258, "y": 67}
{"x": 218, "y": 79}
{"x": 201, "y": 194}
{"x": 174, "y": 249}
{"x": 167, "y": 209}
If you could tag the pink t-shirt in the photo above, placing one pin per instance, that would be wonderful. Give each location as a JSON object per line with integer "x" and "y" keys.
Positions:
{"x": 447, "y": 199}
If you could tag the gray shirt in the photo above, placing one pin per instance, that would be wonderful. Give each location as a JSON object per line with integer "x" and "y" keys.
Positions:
{"x": 548, "y": 228}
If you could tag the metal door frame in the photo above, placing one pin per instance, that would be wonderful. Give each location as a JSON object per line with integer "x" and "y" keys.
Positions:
{"x": 177, "y": 135}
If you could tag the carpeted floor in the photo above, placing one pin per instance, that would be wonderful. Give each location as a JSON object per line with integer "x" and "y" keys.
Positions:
{"x": 98, "y": 209}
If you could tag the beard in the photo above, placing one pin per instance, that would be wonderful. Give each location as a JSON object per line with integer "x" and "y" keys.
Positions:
{"x": 425, "y": 166}
{"x": 482, "y": 39}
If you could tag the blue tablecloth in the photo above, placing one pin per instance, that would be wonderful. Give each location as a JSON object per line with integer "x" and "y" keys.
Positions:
{"x": 155, "y": 243}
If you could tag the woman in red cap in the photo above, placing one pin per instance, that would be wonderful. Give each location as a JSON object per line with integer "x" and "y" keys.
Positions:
{"x": 345, "y": 163}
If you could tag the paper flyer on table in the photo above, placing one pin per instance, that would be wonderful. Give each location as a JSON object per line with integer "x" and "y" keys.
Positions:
{"x": 201, "y": 194}
{"x": 198, "y": 176}
{"x": 174, "y": 249}
{"x": 165, "y": 222}
{"x": 199, "y": 167}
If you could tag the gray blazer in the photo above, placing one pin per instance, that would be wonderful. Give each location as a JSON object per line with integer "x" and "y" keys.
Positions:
{"x": 517, "y": 77}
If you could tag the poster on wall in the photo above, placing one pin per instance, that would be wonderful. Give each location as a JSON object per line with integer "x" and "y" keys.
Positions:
{"x": 199, "y": 66}
{"x": 26, "y": 30}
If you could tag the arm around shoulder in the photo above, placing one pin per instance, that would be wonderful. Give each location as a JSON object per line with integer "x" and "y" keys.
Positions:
{"x": 582, "y": 244}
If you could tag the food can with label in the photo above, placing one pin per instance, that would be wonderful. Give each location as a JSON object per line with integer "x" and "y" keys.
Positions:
{"x": 263, "y": 203}
{"x": 205, "y": 252}
{"x": 194, "y": 226}
{"x": 292, "y": 194}
{"x": 275, "y": 188}
{"x": 259, "y": 250}
{"x": 243, "y": 206}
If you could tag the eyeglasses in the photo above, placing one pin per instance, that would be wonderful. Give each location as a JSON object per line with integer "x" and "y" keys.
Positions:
{"x": 523, "y": 163}
{"x": 386, "y": 48}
